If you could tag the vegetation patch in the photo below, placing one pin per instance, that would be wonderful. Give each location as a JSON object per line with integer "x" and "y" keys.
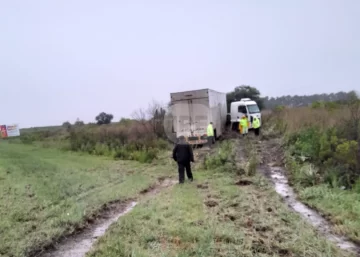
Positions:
{"x": 46, "y": 194}
{"x": 235, "y": 223}
{"x": 322, "y": 148}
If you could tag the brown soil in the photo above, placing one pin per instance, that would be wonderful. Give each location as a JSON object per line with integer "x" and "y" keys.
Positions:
{"x": 244, "y": 182}
{"x": 211, "y": 203}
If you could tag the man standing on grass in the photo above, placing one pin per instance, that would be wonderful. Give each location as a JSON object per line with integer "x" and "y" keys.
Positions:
{"x": 183, "y": 155}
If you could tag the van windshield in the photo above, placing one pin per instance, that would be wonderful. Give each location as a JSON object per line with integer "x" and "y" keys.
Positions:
{"x": 253, "y": 108}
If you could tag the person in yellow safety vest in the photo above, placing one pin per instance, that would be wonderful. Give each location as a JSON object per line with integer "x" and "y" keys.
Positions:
{"x": 210, "y": 134}
{"x": 256, "y": 125}
{"x": 244, "y": 125}
{"x": 240, "y": 127}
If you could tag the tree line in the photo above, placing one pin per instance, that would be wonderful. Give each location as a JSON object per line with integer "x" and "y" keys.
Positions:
{"x": 155, "y": 112}
{"x": 246, "y": 91}
{"x": 304, "y": 100}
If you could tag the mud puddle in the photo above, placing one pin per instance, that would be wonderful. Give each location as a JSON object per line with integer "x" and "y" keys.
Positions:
{"x": 322, "y": 225}
{"x": 79, "y": 244}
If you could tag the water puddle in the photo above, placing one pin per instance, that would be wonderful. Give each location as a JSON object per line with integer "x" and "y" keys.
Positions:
{"x": 322, "y": 225}
{"x": 78, "y": 245}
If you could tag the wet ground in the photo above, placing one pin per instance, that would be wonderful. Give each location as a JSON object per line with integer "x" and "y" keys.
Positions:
{"x": 78, "y": 245}
{"x": 272, "y": 160}
{"x": 314, "y": 218}
{"x": 271, "y": 166}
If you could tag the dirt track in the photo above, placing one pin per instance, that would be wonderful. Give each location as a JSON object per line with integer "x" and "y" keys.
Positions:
{"x": 271, "y": 162}
{"x": 79, "y": 244}
{"x": 272, "y": 166}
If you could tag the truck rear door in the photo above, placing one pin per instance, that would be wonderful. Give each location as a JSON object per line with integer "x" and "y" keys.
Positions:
{"x": 182, "y": 121}
{"x": 199, "y": 113}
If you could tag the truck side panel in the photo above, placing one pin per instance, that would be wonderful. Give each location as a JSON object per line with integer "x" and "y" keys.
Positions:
{"x": 218, "y": 111}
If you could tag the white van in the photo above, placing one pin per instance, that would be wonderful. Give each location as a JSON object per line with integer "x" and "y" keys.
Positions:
{"x": 244, "y": 106}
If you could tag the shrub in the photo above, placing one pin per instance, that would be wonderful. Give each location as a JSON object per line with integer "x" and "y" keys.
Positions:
{"x": 224, "y": 158}
{"x": 307, "y": 143}
{"x": 328, "y": 142}
{"x": 336, "y": 176}
{"x": 144, "y": 156}
{"x": 101, "y": 149}
{"x": 356, "y": 186}
{"x": 27, "y": 139}
{"x": 122, "y": 154}
{"x": 317, "y": 104}
{"x": 346, "y": 153}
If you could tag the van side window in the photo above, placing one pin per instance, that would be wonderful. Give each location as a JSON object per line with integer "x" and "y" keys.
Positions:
{"x": 242, "y": 109}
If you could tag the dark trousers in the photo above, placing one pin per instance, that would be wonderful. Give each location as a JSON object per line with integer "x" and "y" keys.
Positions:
{"x": 182, "y": 167}
{"x": 257, "y": 131}
{"x": 210, "y": 140}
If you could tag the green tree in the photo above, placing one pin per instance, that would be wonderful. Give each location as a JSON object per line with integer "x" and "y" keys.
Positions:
{"x": 244, "y": 91}
{"x": 104, "y": 118}
{"x": 66, "y": 124}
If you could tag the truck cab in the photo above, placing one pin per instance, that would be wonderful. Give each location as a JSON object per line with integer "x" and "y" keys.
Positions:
{"x": 244, "y": 107}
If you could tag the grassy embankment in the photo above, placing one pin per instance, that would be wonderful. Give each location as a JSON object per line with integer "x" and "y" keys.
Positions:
{"x": 214, "y": 216}
{"x": 134, "y": 140}
{"x": 322, "y": 150}
{"x": 47, "y": 193}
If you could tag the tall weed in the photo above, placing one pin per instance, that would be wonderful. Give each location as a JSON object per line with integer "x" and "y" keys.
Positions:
{"x": 324, "y": 143}
{"x": 223, "y": 159}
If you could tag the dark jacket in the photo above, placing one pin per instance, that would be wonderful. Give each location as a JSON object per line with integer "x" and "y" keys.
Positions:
{"x": 183, "y": 153}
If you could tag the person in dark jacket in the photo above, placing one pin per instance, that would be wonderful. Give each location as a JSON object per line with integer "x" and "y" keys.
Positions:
{"x": 183, "y": 155}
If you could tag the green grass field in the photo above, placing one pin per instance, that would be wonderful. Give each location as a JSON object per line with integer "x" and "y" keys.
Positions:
{"x": 45, "y": 193}
{"x": 341, "y": 207}
{"x": 213, "y": 217}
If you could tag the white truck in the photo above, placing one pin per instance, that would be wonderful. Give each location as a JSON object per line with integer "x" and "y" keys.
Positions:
{"x": 244, "y": 107}
{"x": 192, "y": 111}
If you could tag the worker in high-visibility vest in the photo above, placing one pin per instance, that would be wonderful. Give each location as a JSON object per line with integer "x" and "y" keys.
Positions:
{"x": 256, "y": 125}
{"x": 244, "y": 126}
{"x": 210, "y": 134}
{"x": 240, "y": 127}
{"x": 238, "y": 120}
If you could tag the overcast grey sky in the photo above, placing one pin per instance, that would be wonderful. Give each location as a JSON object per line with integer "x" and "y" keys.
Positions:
{"x": 64, "y": 59}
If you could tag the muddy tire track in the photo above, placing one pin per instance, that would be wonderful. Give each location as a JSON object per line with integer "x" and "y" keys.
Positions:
{"x": 78, "y": 244}
{"x": 272, "y": 162}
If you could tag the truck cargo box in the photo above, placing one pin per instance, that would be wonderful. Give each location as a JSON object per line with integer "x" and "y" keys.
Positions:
{"x": 193, "y": 110}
